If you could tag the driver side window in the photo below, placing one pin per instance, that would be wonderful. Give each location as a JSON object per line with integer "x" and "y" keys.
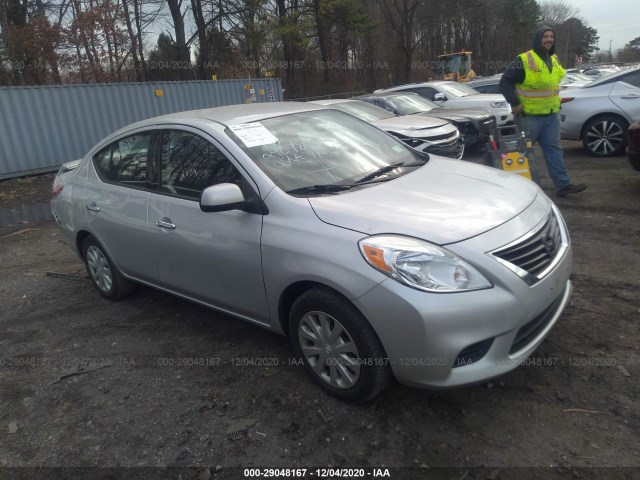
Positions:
{"x": 189, "y": 164}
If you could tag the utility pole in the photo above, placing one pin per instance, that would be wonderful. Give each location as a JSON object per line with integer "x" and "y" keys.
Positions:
{"x": 610, "y": 56}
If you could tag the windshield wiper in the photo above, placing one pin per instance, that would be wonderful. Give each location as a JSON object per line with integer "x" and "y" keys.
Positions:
{"x": 386, "y": 169}
{"x": 330, "y": 188}
{"x": 379, "y": 172}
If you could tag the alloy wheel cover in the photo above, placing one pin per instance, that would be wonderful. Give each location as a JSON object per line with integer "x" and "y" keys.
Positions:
{"x": 329, "y": 349}
{"x": 99, "y": 269}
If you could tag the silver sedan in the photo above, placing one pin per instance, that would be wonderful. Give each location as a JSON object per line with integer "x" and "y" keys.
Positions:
{"x": 600, "y": 112}
{"x": 375, "y": 259}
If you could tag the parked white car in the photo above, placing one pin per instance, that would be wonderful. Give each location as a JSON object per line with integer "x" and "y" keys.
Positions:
{"x": 458, "y": 95}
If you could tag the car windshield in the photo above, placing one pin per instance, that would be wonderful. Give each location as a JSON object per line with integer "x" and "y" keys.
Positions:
{"x": 320, "y": 149}
{"x": 458, "y": 90}
{"x": 410, "y": 104}
{"x": 364, "y": 111}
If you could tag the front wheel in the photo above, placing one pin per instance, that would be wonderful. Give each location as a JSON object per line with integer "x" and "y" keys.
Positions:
{"x": 339, "y": 348}
{"x": 104, "y": 276}
{"x": 605, "y": 136}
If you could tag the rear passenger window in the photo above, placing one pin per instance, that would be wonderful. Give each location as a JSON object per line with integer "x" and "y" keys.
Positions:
{"x": 125, "y": 161}
{"x": 190, "y": 164}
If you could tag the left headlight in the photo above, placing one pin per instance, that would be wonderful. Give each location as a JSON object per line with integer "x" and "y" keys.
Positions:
{"x": 499, "y": 105}
{"x": 420, "y": 264}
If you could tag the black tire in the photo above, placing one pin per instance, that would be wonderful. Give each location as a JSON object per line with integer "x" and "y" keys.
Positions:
{"x": 605, "y": 136}
{"x": 103, "y": 274}
{"x": 352, "y": 365}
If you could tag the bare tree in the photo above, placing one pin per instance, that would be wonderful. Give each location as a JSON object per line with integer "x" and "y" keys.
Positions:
{"x": 555, "y": 12}
{"x": 183, "y": 55}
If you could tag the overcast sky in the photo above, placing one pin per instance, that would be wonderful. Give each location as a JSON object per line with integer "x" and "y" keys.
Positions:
{"x": 617, "y": 21}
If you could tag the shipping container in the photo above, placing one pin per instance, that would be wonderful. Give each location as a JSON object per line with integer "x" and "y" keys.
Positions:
{"x": 45, "y": 126}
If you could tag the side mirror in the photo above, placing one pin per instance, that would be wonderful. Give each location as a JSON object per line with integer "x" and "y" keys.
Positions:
{"x": 439, "y": 97}
{"x": 221, "y": 198}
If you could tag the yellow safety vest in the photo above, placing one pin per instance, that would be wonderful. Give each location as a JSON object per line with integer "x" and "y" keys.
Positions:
{"x": 539, "y": 94}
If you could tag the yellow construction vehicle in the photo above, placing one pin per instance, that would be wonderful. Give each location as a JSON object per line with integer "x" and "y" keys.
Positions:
{"x": 456, "y": 66}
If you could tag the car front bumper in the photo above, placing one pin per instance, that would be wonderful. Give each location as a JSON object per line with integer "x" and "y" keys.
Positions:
{"x": 503, "y": 116}
{"x": 454, "y": 339}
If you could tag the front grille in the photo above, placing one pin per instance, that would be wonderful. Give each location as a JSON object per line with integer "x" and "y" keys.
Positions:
{"x": 448, "y": 144}
{"x": 453, "y": 150}
{"x": 473, "y": 353}
{"x": 449, "y": 139}
{"x": 446, "y": 137}
{"x": 532, "y": 329}
{"x": 468, "y": 128}
{"x": 535, "y": 253}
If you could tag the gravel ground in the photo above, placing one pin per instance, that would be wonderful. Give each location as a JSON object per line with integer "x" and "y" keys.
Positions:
{"x": 149, "y": 386}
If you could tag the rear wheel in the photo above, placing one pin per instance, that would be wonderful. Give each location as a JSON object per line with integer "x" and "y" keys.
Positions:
{"x": 339, "y": 348}
{"x": 104, "y": 276}
{"x": 605, "y": 136}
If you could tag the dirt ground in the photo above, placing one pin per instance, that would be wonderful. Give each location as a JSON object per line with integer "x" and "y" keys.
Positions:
{"x": 155, "y": 381}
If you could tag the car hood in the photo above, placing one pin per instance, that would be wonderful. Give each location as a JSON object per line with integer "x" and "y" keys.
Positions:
{"x": 415, "y": 125}
{"x": 445, "y": 201}
{"x": 484, "y": 99}
{"x": 458, "y": 114}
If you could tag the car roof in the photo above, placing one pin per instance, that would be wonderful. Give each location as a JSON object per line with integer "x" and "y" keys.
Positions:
{"x": 611, "y": 78}
{"x": 484, "y": 81}
{"x": 333, "y": 101}
{"x": 417, "y": 84}
{"x": 230, "y": 114}
{"x": 431, "y": 82}
{"x": 393, "y": 93}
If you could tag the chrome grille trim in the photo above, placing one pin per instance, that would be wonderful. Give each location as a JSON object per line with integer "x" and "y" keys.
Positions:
{"x": 528, "y": 256}
{"x": 447, "y": 138}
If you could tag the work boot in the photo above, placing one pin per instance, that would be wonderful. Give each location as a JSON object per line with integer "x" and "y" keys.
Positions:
{"x": 571, "y": 188}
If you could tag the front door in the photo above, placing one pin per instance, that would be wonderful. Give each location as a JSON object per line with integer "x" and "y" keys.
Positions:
{"x": 212, "y": 257}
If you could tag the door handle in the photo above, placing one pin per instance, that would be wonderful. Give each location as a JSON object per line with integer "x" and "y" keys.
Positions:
{"x": 633, "y": 95}
{"x": 163, "y": 224}
{"x": 93, "y": 207}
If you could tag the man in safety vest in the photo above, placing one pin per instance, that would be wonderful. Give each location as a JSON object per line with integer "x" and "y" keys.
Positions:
{"x": 531, "y": 85}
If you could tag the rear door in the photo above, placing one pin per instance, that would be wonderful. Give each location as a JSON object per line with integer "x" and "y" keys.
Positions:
{"x": 626, "y": 94}
{"x": 212, "y": 257}
{"x": 117, "y": 193}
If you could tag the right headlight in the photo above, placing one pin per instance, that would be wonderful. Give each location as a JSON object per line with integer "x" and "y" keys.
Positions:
{"x": 420, "y": 264}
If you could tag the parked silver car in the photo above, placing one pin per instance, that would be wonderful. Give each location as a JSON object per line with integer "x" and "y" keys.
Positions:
{"x": 600, "y": 112}
{"x": 475, "y": 125}
{"x": 431, "y": 135}
{"x": 375, "y": 259}
{"x": 458, "y": 95}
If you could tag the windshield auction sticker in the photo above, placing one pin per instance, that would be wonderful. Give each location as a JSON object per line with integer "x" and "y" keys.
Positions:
{"x": 253, "y": 134}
